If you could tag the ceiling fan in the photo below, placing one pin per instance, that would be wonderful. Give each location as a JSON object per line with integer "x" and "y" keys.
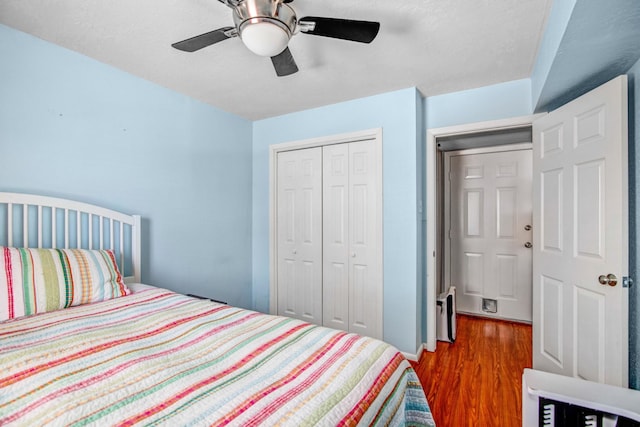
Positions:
{"x": 265, "y": 27}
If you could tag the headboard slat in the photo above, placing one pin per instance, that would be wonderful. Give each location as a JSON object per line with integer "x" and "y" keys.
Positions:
{"x": 54, "y": 228}
{"x": 111, "y": 232}
{"x": 39, "y": 226}
{"x": 66, "y": 228}
{"x": 102, "y": 232}
{"x": 90, "y": 218}
{"x": 78, "y": 229}
{"x": 25, "y": 225}
{"x": 121, "y": 243}
{"x": 10, "y": 224}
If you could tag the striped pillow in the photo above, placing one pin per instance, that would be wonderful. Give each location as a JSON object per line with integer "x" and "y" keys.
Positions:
{"x": 38, "y": 280}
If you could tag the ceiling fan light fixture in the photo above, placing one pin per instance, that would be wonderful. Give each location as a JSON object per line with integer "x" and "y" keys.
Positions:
{"x": 264, "y": 37}
{"x": 266, "y": 26}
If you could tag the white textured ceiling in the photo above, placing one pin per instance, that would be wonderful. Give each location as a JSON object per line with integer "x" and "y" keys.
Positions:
{"x": 438, "y": 46}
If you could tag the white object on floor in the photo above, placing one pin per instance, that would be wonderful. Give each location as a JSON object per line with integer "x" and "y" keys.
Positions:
{"x": 575, "y": 391}
{"x": 446, "y": 316}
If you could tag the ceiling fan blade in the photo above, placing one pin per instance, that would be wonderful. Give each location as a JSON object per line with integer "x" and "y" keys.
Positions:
{"x": 284, "y": 63}
{"x": 345, "y": 29}
{"x": 204, "y": 40}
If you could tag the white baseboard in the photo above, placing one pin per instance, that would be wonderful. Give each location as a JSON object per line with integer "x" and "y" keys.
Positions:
{"x": 414, "y": 357}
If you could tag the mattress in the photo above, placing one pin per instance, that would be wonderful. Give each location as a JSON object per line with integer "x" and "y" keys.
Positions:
{"x": 160, "y": 358}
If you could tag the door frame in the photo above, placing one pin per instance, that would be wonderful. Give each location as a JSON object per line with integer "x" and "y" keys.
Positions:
{"x": 431, "y": 186}
{"x": 374, "y": 135}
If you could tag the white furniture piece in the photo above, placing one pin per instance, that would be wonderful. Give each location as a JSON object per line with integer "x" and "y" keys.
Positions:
{"x": 546, "y": 396}
{"x": 329, "y": 236}
{"x": 39, "y": 221}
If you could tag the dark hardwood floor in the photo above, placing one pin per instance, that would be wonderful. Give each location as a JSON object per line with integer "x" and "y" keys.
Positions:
{"x": 477, "y": 381}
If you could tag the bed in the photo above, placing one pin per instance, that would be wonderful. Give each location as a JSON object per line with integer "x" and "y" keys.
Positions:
{"x": 82, "y": 342}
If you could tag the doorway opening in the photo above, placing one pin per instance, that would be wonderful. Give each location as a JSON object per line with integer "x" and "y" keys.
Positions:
{"x": 475, "y": 138}
{"x": 485, "y": 209}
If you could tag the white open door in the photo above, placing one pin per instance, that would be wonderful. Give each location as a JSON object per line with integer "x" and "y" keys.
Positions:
{"x": 580, "y": 241}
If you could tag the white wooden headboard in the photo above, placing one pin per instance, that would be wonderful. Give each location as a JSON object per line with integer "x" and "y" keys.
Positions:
{"x": 28, "y": 220}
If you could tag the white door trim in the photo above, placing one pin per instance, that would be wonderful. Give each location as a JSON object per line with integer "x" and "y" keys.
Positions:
{"x": 492, "y": 149}
{"x": 364, "y": 135}
{"x": 431, "y": 200}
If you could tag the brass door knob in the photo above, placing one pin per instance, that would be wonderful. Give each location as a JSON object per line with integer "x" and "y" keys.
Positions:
{"x": 609, "y": 279}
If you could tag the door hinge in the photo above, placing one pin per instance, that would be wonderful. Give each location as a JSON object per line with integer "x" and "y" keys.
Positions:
{"x": 627, "y": 282}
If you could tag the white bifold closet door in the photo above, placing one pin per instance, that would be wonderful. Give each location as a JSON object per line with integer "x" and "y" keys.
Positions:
{"x": 329, "y": 237}
{"x": 352, "y": 291}
{"x": 299, "y": 236}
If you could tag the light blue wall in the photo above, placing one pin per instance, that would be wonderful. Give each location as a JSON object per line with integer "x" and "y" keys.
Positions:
{"x": 73, "y": 127}
{"x": 556, "y": 25}
{"x": 634, "y": 226}
{"x": 499, "y": 101}
{"x": 397, "y": 114}
{"x": 593, "y": 42}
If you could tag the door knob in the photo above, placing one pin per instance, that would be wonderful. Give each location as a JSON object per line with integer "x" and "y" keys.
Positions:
{"x": 528, "y": 245}
{"x": 609, "y": 279}
{"x": 527, "y": 227}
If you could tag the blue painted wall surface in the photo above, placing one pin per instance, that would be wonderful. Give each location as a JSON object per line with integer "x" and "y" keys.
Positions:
{"x": 396, "y": 113}
{"x": 499, "y": 101}
{"x": 634, "y": 225}
{"x": 556, "y": 25}
{"x": 73, "y": 127}
{"x": 599, "y": 43}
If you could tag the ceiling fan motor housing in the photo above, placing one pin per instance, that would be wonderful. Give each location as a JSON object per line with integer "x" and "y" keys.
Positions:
{"x": 274, "y": 12}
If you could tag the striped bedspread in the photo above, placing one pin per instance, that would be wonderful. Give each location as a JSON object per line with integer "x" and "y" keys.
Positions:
{"x": 159, "y": 358}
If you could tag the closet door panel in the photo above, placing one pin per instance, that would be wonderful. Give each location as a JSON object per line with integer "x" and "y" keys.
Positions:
{"x": 335, "y": 236}
{"x": 365, "y": 277}
{"x": 299, "y": 233}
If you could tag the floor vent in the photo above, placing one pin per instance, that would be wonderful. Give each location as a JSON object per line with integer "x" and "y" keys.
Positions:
{"x": 489, "y": 305}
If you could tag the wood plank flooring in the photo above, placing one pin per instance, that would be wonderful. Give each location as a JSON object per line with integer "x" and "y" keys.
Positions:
{"x": 477, "y": 381}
